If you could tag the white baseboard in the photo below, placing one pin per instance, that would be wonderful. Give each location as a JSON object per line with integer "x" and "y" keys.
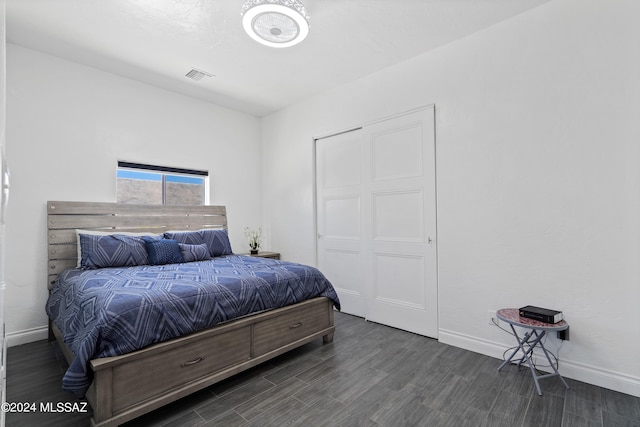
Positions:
{"x": 27, "y": 336}
{"x": 575, "y": 370}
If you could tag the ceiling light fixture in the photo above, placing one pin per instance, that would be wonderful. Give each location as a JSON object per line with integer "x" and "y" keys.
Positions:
{"x": 275, "y": 23}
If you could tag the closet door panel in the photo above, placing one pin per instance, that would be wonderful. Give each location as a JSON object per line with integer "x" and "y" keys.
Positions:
{"x": 339, "y": 217}
{"x": 399, "y": 222}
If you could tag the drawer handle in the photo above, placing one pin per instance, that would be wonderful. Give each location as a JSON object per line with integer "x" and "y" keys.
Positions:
{"x": 295, "y": 325}
{"x": 192, "y": 362}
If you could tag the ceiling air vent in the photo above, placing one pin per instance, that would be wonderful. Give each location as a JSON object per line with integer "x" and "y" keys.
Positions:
{"x": 197, "y": 75}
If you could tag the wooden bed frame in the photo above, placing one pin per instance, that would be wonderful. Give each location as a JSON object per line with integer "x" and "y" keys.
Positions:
{"x": 125, "y": 387}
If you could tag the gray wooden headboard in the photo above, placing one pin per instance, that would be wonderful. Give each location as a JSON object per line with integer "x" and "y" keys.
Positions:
{"x": 63, "y": 218}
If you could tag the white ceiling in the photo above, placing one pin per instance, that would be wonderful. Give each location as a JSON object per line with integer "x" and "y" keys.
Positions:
{"x": 159, "y": 41}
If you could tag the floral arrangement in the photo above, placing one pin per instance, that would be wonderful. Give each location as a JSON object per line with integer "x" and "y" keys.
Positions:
{"x": 254, "y": 237}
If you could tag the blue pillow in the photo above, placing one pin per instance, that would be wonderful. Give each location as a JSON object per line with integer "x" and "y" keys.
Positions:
{"x": 217, "y": 241}
{"x": 163, "y": 251}
{"x": 192, "y": 253}
{"x": 111, "y": 250}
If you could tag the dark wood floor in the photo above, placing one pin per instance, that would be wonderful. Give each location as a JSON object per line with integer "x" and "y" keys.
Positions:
{"x": 371, "y": 375}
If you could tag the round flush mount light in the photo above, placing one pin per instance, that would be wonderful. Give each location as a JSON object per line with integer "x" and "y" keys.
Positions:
{"x": 275, "y": 23}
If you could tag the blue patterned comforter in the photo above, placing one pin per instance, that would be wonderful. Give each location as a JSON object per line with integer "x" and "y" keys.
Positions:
{"x": 113, "y": 311}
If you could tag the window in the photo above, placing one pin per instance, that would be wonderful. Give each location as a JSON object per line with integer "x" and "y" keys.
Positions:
{"x": 160, "y": 185}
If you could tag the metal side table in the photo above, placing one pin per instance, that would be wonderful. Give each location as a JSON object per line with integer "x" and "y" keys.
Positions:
{"x": 531, "y": 339}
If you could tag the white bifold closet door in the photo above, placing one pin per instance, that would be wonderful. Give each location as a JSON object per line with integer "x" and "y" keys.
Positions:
{"x": 376, "y": 220}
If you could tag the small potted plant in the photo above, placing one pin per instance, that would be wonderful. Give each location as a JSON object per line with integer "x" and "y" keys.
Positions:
{"x": 254, "y": 237}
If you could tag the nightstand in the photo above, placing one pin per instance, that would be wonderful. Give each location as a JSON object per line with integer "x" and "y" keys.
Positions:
{"x": 266, "y": 254}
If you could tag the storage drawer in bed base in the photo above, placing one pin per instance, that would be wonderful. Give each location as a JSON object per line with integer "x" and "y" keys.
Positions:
{"x": 127, "y": 386}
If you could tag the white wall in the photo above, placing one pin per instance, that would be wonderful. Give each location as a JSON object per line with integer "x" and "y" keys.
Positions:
{"x": 2, "y": 228}
{"x": 537, "y": 167}
{"x": 68, "y": 125}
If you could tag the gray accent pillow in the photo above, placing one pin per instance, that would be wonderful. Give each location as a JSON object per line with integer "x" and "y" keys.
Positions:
{"x": 192, "y": 253}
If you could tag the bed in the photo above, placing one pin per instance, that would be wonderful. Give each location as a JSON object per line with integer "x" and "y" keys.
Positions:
{"x": 211, "y": 318}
